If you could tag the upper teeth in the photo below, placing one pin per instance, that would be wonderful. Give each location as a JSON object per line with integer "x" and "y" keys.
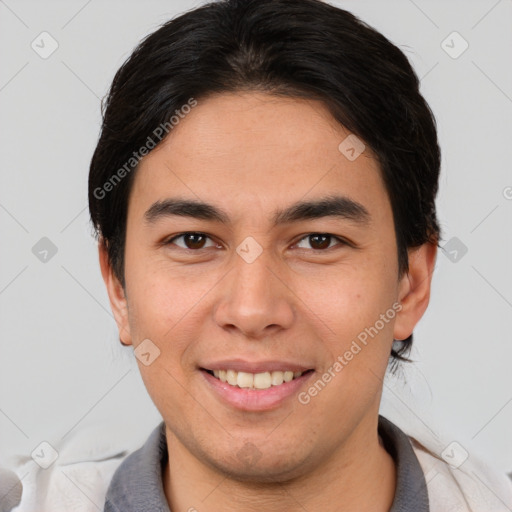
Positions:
{"x": 255, "y": 380}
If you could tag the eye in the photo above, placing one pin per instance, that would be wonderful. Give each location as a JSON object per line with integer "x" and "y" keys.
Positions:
{"x": 319, "y": 241}
{"x": 192, "y": 241}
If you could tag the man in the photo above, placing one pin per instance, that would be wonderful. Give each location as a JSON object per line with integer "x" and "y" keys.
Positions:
{"x": 264, "y": 194}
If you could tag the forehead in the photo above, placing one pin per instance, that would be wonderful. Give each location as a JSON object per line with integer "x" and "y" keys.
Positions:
{"x": 253, "y": 151}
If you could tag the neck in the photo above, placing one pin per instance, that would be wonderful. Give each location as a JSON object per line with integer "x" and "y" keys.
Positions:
{"x": 359, "y": 476}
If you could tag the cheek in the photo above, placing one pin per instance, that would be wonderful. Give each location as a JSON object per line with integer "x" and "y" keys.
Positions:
{"x": 159, "y": 297}
{"x": 351, "y": 297}
{"x": 357, "y": 317}
{"x": 163, "y": 307}
{"x": 356, "y": 328}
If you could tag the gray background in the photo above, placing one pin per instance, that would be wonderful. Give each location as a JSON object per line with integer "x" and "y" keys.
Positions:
{"x": 61, "y": 366}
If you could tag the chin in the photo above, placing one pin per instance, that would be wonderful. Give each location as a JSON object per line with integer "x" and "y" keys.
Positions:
{"x": 251, "y": 466}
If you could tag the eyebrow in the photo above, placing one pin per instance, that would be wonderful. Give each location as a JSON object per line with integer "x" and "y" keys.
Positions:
{"x": 331, "y": 206}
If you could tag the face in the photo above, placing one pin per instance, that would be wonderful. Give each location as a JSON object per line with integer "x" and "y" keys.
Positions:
{"x": 256, "y": 251}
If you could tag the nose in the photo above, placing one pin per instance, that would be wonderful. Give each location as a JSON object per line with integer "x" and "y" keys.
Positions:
{"x": 254, "y": 300}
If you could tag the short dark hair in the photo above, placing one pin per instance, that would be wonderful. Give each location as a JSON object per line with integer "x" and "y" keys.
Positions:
{"x": 294, "y": 48}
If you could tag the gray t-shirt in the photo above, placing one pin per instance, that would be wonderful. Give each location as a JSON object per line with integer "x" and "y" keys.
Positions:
{"x": 137, "y": 484}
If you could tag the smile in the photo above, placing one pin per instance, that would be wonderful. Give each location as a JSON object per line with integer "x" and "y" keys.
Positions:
{"x": 263, "y": 380}
{"x": 255, "y": 386}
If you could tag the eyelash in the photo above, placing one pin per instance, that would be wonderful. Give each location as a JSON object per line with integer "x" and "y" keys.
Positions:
{"x": 341, "y": 242}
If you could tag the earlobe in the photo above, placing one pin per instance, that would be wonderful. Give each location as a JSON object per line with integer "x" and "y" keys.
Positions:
{"x": 116, "y": 295}
{"x": 414, "y": 289}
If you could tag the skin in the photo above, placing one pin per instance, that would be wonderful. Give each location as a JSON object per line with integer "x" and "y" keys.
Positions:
{"x": 251, "y": 154}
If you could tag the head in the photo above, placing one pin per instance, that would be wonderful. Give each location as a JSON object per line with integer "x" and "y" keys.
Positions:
{"x": 263, "y": 191}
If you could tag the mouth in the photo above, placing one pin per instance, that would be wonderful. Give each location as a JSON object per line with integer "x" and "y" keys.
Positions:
{"x": 255, "y": 381}
{"x": 266, "y": 387}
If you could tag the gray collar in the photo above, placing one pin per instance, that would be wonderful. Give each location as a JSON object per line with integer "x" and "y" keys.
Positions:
{"x": 411, "y": 493}
{"x": 137, "y": 484}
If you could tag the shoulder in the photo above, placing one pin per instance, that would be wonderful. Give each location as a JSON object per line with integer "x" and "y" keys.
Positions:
{"x": 77, "y": 480}
{"x": 466, "y": 484}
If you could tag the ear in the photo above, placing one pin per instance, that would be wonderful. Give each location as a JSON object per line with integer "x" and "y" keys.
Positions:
{"x": 116, "y": 296}
{"x": 414, "y": 289}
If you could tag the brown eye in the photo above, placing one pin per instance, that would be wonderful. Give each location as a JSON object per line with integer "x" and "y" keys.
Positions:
{"x": 192, "y": 241}
{"x": 319, "y": 241}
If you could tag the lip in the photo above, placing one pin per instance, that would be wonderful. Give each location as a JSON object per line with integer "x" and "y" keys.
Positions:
{"x": 255, "y": 400}
{"x": 240, "y": 365}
